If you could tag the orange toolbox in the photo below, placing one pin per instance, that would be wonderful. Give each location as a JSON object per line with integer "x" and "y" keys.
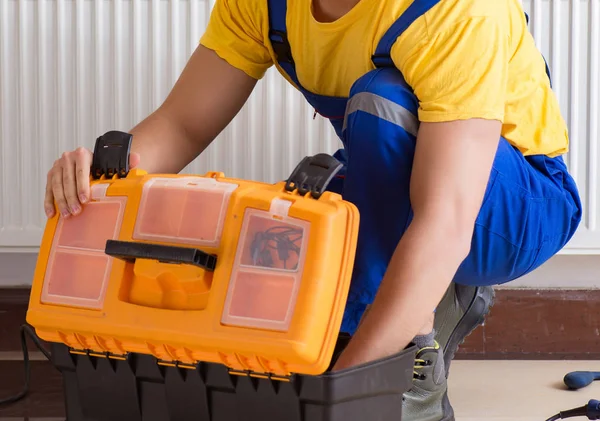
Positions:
{"x": 186, "y": 297}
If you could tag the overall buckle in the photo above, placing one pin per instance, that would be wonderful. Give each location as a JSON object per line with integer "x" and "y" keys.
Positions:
{"x": 281, "y": 46}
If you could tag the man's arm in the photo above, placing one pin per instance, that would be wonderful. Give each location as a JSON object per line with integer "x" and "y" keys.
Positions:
{"x": 206, "y": 97}
{"x": 451, "y": 170}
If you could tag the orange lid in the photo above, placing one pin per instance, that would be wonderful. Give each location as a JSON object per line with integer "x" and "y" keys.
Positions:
{"x": 199, "y": 268}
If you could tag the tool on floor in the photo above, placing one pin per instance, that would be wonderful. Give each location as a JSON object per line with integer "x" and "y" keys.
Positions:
{"x": 580, "y": 379}
{"x": 591, "y": 411}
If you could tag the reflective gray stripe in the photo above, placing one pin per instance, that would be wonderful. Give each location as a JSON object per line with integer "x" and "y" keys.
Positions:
{"x": 383, "y": 108}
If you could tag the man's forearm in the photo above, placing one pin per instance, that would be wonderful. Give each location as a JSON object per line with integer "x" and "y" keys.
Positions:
{"x": 205, "y": 99}
{"x": 451, "y": 170}
{"x": 418, "y": 275}
{"x": 163, "y": 144}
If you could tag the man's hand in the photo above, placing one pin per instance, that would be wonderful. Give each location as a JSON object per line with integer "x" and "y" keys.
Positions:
{"x": 451, "y": 170}
{"x": 68, "y": 182}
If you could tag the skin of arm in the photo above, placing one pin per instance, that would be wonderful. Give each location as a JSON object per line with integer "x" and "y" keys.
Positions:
{"x": 452, "y": 165}
{"x": 207, "y": 96}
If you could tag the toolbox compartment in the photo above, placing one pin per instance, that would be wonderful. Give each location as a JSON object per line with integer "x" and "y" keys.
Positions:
{"x": 139, "y": 389}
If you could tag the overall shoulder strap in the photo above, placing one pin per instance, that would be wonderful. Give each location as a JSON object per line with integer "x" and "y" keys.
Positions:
{"x": 382, "y": 56}
{"x": 278, "y": 37}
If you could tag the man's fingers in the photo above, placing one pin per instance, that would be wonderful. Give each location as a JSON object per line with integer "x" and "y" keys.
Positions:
{"x": 83, "y": 162}
{"x": 69, "y": 183}
{"x": 49, "y": 197}
{"x": 58, "y": 192}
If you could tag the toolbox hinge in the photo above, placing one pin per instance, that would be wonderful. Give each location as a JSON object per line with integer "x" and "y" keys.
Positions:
{"x": 111, "y": 155}
{"x": 177, "y": 364}
{"x": 233, "y": 372}
{"x": 259, "y": 375}
{"x": 242, "y": 373}
{"x": 90, "y": 353}
{"x": 313, "y": 174}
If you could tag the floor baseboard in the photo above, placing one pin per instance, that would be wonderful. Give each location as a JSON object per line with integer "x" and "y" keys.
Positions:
{"x": 539, "y": 324}
{"x": 532, "y": 324}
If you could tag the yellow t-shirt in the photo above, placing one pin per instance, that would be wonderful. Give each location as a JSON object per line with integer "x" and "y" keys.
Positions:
{"x": 463, "y": 59}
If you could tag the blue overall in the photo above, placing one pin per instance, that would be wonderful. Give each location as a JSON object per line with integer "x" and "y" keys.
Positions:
{"x": 531, "y": 207}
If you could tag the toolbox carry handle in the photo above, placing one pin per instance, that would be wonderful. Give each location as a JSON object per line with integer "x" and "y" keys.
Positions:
{"x": 131, "y": 251}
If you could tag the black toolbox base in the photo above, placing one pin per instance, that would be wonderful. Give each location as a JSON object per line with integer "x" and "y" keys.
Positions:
{"x": 138, "y": 389}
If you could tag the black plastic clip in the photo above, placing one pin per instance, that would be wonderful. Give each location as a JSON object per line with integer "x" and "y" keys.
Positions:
{"x": 111, "y": 155}
{"x": 281, "y": 47}
{"x": 382, "y": 61}
{"x": 313, "y": 174}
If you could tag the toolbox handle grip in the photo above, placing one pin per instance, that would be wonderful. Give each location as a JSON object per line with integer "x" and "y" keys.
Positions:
{"x": 131, "y": 251}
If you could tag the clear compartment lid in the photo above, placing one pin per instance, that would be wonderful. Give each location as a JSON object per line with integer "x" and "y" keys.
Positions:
{"x": 267, "y": 271}
{"x": 183, "y": 210}
{"x": 78, "y": 269}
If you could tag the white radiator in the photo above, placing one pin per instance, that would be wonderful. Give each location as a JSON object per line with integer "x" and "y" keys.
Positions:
{"x": 73, "y": 69}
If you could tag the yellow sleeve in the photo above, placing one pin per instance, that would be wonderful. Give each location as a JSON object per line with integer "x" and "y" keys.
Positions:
{"x": 461, "y": 72}
{"x": 236, "y": 32}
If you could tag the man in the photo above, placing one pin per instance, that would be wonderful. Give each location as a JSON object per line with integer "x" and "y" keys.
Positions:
{"x": 452, "y": 150}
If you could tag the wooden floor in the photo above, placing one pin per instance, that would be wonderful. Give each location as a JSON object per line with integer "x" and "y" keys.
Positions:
{"x": 516, "y": 390}
{"x": 45, "y": 398}
{"x": 479, "y": 390}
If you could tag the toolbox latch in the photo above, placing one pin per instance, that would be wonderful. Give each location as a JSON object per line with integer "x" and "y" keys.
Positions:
{"x": 95, "y": 354}
{"x": 260, "y": 375}
{"x": 313, "y": 174}
{"x": 111, "y": 155}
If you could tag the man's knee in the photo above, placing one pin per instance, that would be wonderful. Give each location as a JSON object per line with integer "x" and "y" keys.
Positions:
{"x": 382, "y": 111}
{"x": 387, "y": 83}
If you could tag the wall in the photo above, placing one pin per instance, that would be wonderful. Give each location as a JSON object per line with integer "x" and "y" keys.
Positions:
{"x": 73, "y": 69}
